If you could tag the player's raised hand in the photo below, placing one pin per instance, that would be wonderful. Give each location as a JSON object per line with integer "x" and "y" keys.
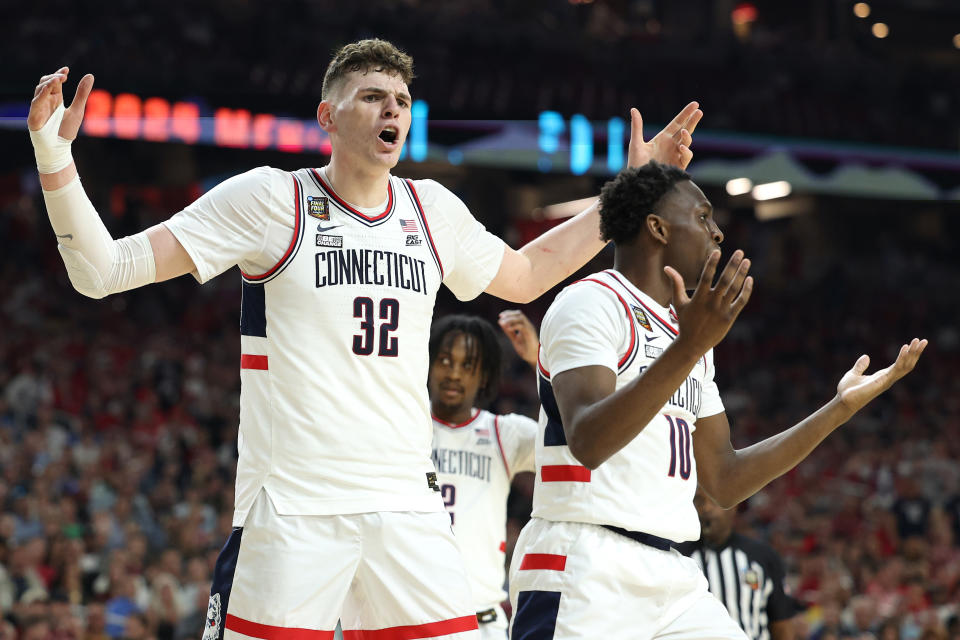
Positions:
{"x": 670, "y": 146}
{"x": 856, "y": 388}
{"x": 522, "y": 335}
{"x": 706, "y": 316}
{"x": 48, "y": 98}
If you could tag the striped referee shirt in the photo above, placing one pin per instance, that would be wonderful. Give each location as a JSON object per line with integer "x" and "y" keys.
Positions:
{"x": 746, "y": 575}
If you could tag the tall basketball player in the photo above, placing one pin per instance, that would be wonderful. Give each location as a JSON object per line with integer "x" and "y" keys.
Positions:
{"x": 631, "y": 419}
{"x": 337, "y": 511}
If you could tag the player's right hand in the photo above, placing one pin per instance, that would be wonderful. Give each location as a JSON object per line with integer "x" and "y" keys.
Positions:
{"x": 522, "y": 335}
{"x": 48, "y": 96}
{"x": 706, "y": 317}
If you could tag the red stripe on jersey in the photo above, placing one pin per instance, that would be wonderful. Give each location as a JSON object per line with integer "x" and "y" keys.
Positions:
{"x": 343, "y": 203}
{"x": 293, "y": 241}
{"x": 543, "y": 562}
{"x": 456, "y": 426}
{"x": 503, "y": 546}
{"x": 564, "y": 473}
{"x": 626, "y": 307}
{"x": 503, "y": 454}
{"x": 269, "y": 632}
{"x": 248, "y": 361}
{"x": 666, "y": 325}
{"x": 426, "y": 226}
{"x": 415, "y": 631}
{"x": 543, "y": 370}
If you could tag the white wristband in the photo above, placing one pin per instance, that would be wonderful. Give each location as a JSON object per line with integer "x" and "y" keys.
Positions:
{"x": 52, "y": 151}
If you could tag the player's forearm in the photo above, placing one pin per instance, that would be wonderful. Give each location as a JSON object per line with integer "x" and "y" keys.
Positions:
{"x": 562, "y": 250}
{"x": 97, "y": 264}
{"x": 58, "y": 180}
{"x": 755, "y": 466}
{"x": 607, "y": 426}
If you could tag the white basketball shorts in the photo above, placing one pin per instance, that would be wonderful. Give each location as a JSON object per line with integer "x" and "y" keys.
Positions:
{"x": 574, "y": 580}
{"x": 385, "y": 575}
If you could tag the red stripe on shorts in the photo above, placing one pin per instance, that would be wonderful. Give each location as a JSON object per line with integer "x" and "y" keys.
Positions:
{"x": 269, "y": 632}
{"x": 248, "y": 361}
{"x": 543, "y": 561}
{"x": 564, "y": 473}
{"x": 415, "y": 631}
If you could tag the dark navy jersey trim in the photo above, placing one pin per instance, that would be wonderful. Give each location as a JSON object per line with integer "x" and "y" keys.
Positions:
{"x": 344, "y": 206}
{"x": 660, "y": 322}
{"x": 553, "y": 434}
{"x": 536, "y": 615}
{"x": 223, "y": 573}
{"x": 663, "y": 324}
{"x": 415, "y": 199}
{"x": 253, "y": 310}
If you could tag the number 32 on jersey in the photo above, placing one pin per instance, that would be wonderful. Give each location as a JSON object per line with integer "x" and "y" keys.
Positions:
{"x": 388, "y": 313}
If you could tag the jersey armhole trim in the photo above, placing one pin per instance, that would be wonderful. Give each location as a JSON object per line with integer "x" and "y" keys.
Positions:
{"x": 412, "y": 192}
{"x": 503, "y": 454}
{"x": 632, "y": 350}
{"x": 295, "y": 241}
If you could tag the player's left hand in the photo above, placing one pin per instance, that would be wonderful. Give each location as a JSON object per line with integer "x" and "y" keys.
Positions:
{"x": 522, "y": 335}
{"x": 670, "y": 146}
{"x": 856, "y": 388}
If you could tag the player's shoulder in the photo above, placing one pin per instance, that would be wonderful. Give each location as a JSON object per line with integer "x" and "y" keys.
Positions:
{"x": 590, "y": 294}
{"x": 430, "y": 193}
{"x": 514, "y": 422}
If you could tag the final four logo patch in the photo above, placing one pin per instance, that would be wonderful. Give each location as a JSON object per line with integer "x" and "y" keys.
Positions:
{"x": 641, "y": 317}
{"x": 318, "y": 207}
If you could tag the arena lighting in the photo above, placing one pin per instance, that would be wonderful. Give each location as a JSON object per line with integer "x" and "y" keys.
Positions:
{"x": 739, "y": 186}
{"x": 744, "y": 13}
{"x": 880, "y": 30}
{"x": 861, "y": 10}
{"x": 771, "y": 190}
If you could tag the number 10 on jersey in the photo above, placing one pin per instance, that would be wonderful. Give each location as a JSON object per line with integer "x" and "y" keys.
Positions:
{"x": 389, "y": 313}
{"x": 679, "y": 447}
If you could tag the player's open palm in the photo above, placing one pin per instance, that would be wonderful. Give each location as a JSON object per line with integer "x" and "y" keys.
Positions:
{"x": 857, "y": 388}
{"x": 670, "y": 146}
{"x": 48, "y": 97}
{"x": 707, "y": 315}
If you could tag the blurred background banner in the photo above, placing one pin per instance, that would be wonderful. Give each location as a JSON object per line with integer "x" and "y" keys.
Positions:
{"x": 830, "y": 149}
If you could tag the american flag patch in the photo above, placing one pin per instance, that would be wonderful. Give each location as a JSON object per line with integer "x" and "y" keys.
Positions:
{"x": 482, "y": 432}
{"x": 408, "y": 226}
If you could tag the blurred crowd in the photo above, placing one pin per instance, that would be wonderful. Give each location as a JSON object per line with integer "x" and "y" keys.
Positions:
{"x": 806, "y": 75}
{"x": 118, "y": 431}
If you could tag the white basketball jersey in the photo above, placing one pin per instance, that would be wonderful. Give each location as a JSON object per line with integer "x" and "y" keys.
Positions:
{"x": 475, "y": 462}
{"x": 334, "y": 414}
{"x": 648, "y": 485}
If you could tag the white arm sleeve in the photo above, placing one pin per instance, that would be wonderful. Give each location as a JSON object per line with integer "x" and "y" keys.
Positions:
{"x": 97, "y": 264}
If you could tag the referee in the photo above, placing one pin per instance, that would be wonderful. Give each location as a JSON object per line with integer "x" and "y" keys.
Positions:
{"x": 746, "y": 575}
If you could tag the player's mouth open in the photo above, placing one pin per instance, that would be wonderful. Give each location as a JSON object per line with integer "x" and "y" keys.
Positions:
{"x": 389, "y": 135}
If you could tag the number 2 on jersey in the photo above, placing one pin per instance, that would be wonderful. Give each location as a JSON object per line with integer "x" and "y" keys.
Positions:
{"x": 449, "y": 494}
{"x": 390, "y": 312}
{"x": 679, "y": 447}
